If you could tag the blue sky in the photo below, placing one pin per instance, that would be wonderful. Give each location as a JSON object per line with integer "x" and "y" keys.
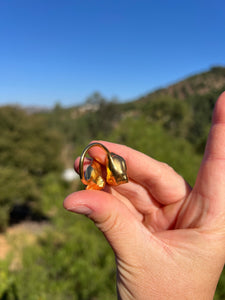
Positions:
{"x": 65, "y": 50}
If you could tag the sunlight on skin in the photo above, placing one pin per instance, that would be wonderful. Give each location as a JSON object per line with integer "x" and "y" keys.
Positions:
{"x": 168, "y": 239}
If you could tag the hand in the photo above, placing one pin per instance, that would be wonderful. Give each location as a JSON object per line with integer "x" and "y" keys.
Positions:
{"x": 168, "y": 239}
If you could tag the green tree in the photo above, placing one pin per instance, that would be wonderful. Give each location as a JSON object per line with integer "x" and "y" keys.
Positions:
{"x": 28, "y": 151}
{"x": 172, "y": 114}
{"x": 202, "y": 108}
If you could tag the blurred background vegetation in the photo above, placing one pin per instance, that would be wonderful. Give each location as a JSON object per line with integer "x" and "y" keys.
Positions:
{"x": 55, "y": 254}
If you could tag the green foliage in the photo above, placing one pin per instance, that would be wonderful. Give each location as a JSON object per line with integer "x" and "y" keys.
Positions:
{"x": 7, "y": 284}
{"x": 27, "y": 143}
{"x": 73, "y": 264}
{"x": 79, "y": 125}
{"x": 104, "y": 119}
{"x": 174, "y": 115}
{"x": 202, "y": 108}
{"x": 16, "y": 186}
{"x": 154, "y": 141}
{"x": 28, "y": 151}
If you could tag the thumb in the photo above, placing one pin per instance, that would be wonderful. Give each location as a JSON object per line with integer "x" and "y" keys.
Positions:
{"x": 111, "y": 216}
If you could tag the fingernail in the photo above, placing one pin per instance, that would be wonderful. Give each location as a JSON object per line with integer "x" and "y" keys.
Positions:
{"x": 80, "y": 210}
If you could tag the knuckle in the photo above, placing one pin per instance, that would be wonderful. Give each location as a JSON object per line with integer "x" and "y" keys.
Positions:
{"x": 109, "y": 223}
{"x": 167, "y": 167}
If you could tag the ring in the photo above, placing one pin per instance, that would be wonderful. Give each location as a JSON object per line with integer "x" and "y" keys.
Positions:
{"x": 116, "y": 170}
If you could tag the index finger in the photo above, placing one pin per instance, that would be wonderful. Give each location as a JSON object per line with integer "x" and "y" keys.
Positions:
{"x": 210, "y": 180}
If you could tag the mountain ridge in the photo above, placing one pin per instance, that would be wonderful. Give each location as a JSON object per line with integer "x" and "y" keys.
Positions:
{"x": 197, "y": 84}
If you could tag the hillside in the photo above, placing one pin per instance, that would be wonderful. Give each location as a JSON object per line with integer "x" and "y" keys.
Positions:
{"x": 98, "y": 116}
{"x": 199, "y": 84}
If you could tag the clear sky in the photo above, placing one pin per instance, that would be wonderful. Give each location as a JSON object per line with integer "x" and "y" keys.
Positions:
{"x": 63, "y": 50}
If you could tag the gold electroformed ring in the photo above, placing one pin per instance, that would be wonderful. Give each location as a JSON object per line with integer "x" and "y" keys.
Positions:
{"x": 116, "y": 170}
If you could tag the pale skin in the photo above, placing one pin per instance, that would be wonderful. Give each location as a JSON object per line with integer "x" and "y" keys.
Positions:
{"x": 168, "y": 239}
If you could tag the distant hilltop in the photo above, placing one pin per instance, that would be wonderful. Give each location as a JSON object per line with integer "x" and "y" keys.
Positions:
{"x": 199, "y": 84}
{"x": 30, "y": 109}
